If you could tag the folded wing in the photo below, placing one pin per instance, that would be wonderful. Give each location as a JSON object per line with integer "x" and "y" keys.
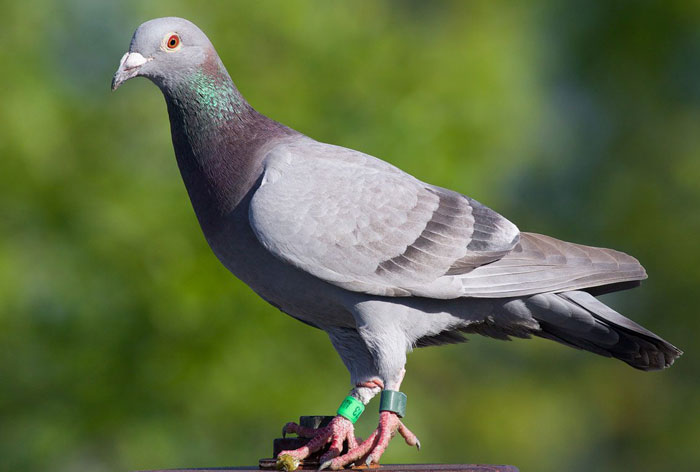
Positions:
{"x": 364, "y": 225}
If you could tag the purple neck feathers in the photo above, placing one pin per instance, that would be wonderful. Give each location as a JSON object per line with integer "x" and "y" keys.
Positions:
{"x": 217, "y": 138}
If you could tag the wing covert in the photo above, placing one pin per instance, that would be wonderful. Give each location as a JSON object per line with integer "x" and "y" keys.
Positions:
{"x": 362, "y": 224}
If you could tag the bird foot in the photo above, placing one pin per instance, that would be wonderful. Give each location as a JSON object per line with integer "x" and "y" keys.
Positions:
{"x": 338, "y": 431}
{"x": 374, "y": 446}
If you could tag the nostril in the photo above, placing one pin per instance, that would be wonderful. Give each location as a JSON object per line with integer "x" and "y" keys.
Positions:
{"x": 133, "y": 60}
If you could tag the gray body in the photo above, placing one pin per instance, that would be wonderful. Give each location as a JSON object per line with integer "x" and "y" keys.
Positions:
{"x": 349, "y": 244}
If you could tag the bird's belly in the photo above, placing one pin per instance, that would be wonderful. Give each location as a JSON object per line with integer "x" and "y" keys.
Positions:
{"x": 291, "y": 290}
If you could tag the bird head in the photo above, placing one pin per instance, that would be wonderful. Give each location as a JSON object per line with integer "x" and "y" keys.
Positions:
{"x": 163, "y": 50}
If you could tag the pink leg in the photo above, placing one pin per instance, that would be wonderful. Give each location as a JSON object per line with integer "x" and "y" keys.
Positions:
{"x": 375, "y": 445}
{"x": 337, "y": 432}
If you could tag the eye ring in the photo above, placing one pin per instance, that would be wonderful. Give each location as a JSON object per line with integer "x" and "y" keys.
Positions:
{"x": 171, "y": 42}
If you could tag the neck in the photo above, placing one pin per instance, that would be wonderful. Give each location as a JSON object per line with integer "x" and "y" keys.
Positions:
{"x": 217, "y": 138}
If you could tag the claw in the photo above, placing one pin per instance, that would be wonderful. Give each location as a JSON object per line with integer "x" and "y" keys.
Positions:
{"x": 368, "y": 462}
{"x": 418, "y": 444}
{"x": 326, "y": 465}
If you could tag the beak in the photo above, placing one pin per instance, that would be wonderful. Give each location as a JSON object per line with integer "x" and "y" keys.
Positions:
{"x": 128, "y": 67}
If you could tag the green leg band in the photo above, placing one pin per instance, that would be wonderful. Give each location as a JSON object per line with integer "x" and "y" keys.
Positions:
{"x": 351, "y": 408}
{"x": 391, "y": 400}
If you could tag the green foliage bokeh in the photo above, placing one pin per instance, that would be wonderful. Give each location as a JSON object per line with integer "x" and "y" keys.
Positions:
{"x": 125, "y": 345}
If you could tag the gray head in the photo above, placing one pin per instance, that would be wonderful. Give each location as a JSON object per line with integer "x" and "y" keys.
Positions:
{"x": 164, "y": 50}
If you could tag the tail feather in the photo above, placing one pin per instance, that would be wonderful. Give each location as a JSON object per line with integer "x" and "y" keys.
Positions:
{"x": 573, "y": 318}
{"x": 579, "y": 320}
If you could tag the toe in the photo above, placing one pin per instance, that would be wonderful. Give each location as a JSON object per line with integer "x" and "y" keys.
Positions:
{"x": 354, "y": 454}
{"x": 352, "y": 441}
{"x": 301, "y": 431}
{"x": 335, "y": 448}
{"x": 383, "y": 439}
{"x": 406, "y": 433}
{"x": 290, "y": 427}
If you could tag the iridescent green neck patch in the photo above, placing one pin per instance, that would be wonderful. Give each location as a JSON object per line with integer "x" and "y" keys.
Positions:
{"x": 214, "y": 94}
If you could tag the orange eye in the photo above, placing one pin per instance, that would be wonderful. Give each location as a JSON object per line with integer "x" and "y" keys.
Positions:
{"x": 173, "y": 41}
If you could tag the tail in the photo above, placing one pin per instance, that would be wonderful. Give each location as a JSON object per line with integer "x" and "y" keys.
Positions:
{"x": 579, "y": 320}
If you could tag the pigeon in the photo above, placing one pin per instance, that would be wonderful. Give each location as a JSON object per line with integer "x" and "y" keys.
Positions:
{"x": 380, "y": 260}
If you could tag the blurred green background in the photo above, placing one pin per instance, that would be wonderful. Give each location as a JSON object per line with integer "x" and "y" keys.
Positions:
{"x": 125, "y": 345}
